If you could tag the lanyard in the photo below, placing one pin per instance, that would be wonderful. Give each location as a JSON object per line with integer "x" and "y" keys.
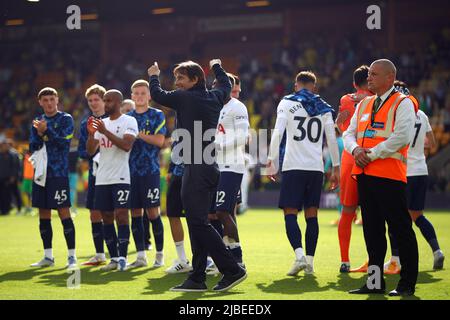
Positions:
{"x": 372, "y": 118}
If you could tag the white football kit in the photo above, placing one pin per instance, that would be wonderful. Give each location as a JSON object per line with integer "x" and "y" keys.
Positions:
{"x": 231, "y": 136}
{"x": 113, "y": 165}
{"x": 304, "y": 136}
{"x": 416, "y": 165}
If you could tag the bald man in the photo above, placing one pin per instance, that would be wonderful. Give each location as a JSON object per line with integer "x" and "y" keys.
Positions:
{"x": 378, "y": 137}
{"x": 114, "y": 136}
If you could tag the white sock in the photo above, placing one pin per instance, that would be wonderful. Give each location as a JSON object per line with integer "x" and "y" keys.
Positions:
{"x": 396, "y": 259}
{"x": 310, "y": 260}
{"x": 48, "y": 253}
{"x": 180, "y": 251}
{"x": 234, "y": 245}
{"x": 101, "y": 256}
{"x": 123, "y": 258}
{"x": 159, "y": 253}
{"x": 72, "y": 253}
{"x": 115, "y": 259}
{"x": 226, "y": 241}
{"x": 299, "y": 253}
{"x": 141, "y": 254}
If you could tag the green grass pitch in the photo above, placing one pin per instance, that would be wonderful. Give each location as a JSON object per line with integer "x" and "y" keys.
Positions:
{"x": 267, "y": 254}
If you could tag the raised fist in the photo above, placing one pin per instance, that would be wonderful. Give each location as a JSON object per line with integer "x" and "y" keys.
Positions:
{"x": 215, "y": 61}
{"x": 154, "y": 70}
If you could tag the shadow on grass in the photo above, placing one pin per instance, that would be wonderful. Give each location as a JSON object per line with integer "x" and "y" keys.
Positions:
{"x": 27, "y": 274}
{"x": 295, "y": 285}
{"x": 162, "y": 286}
{"x": 93, "y": 276}
{"x": 58, "y": 277}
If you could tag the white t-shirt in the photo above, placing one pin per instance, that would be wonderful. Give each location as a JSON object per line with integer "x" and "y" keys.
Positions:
{"x": 417, "y": 165}
{"x": 304, "y": 136}
{"x": 113, "y": 165}
{"x": 231, "y": 136}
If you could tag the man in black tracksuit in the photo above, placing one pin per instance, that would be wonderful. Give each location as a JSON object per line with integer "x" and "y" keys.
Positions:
{"x": 196, "y": 106}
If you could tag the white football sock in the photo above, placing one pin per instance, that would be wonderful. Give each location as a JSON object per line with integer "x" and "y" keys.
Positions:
{"x": 141, "y": 254}
{"x": 101, "y": 256}
{"x": 48, "y": 253}
{"x": 72, "y": 253}
{"x": 299, "y": 253}
{"x": 180, "y": 251}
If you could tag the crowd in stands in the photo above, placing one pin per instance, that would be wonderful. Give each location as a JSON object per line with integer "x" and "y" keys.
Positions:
{"x": 71, "y": 67}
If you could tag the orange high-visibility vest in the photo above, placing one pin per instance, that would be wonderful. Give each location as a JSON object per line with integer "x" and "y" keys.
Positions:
{"x": 371, "y": 132}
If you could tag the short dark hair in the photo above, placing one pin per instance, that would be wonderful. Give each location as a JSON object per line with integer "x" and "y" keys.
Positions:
{"x": 192, "y": 70}
{"x": 398, "y": 83}
{"x": 360, "y": 75}
{"x": 47, "y": 91}
{"x": 305, "y": 77}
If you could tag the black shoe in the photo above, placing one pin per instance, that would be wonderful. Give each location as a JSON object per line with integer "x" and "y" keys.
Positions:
{"x": 365, "y": 290}
{"x": 404, "y": 292}
{"x": 227, "y": 282}
{"x": 190, "y": 286}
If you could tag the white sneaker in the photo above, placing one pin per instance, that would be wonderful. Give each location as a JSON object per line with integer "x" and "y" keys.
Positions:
{"x": 140, "y": 262}
{"x": 112, "y": 265}
{"x": 45, "y": 262}
{"x": 122, "y": 264}
{"x": 179, "y": 266}
{"x": 96, "y": 260}
{"x": 298, "y": 266}
{"x": 71, "y": 262}
{"x": 309, "y": 269}
{"x": 159, "y": 260}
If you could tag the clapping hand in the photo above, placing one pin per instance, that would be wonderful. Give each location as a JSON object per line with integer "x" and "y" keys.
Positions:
{"x": 41, "y": 126}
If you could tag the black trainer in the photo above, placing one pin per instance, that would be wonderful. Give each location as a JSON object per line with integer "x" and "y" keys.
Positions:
{"x": 365, "y": 290}
{"x": 229, "y": 281}
{"x": 190, "y": 286}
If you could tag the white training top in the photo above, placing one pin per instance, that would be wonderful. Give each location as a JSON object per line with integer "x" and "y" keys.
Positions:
{"x": 231, "y": 136}
{"x": 113, "y": 165}
{"x": 303, "y": 139}
{"x": 417, "y": 165}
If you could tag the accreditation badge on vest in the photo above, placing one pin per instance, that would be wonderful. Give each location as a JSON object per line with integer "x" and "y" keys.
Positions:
{"x": 369, "y": 133}
{"x": 378, "y": 125}
{"x": 364, "y": 117}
